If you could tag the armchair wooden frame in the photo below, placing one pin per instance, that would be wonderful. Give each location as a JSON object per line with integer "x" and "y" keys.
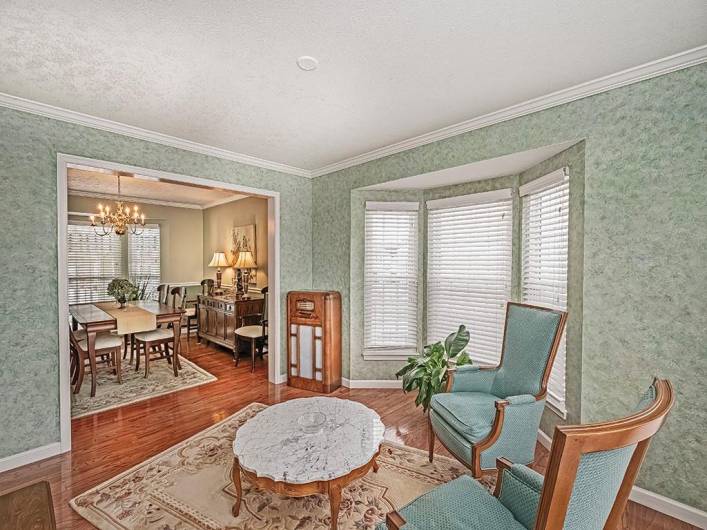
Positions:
{"x": 476, "y": 449}
{"x": 570, "y": 442}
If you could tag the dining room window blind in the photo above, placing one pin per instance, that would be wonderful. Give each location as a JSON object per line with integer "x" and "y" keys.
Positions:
{"x": 469, "y": 260}
{"x": 545, "y": 236}
{"x": 93, "y": 261}
{"x": 390, "y": 278}
{"x": 144, "y": 259}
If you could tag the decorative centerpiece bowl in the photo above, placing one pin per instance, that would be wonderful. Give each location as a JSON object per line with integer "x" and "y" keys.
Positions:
{"x": 312, "y": 422}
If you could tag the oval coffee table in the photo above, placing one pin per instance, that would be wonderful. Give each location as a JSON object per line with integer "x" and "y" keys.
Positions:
{"x": 307, "y": 446}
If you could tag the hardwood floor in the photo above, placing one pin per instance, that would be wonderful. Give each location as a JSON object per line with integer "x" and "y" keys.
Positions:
{"x": 108, "y": 443}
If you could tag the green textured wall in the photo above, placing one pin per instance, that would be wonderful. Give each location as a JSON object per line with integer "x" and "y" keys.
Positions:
{"x": 645, "y": 225}
{"x": 29, "y": 407}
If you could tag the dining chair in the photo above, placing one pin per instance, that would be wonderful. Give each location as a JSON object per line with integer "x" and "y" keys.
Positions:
{"x": 257, "y": 334}
{"x": 163, "y": 293}
{"x": 160, "y": 340}
{"x": 589, "y": 477}
{"x": 190, "y": 320}
{"x": 108, "y": 349}
{"x": 488, "y": 412}
{"x": 207, "y": 285}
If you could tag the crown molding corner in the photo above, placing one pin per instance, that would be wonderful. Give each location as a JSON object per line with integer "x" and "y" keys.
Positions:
{"x": 636, "y": 74}
{"x": 103, "y": 124}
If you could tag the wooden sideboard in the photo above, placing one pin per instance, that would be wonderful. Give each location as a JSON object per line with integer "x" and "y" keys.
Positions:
{"x": 219, "y": 316}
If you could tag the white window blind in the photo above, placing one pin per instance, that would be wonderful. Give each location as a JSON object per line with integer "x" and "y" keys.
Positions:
{"x": 544, "y": 270}
{"x": 144, "y": 258}
{"x": 93, "y": 261}
{"x": 390, "y": 278}
{"x": 469, "y": 260}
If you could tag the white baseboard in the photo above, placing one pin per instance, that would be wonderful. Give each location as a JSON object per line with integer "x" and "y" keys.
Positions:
{"x": 544, "y": 439}
{"x": 371, "y": 383}
{"x": 652, "y": 500}
{"x": 670, "y": 507}
{"x": 27, "y": 457}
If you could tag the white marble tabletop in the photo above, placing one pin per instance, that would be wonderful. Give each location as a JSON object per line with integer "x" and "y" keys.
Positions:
{"x": 309, "y": 439}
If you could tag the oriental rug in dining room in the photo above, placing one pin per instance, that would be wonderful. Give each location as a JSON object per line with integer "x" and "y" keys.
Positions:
{"x": 135, "y": 387}
{"x": 189, "y": 487}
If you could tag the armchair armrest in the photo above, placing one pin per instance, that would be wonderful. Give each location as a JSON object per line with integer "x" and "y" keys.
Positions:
{"x": 394, "y": 521}
{"x": 471, "y": 378}
{"x": 520, "y": 399}
{"x": 519, "y": 489}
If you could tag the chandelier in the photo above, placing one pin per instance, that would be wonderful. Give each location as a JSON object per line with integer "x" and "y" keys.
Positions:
{"x": 119, "y": 219}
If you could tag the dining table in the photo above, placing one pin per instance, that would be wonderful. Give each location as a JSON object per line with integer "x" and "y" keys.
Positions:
{"x": 93, "y": 320}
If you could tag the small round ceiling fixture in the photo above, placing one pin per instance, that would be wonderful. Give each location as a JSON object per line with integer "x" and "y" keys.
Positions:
{"x": 307, "y": 63}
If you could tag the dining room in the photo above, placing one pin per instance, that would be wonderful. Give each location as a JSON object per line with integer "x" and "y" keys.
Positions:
{"x": 161, "y": 276}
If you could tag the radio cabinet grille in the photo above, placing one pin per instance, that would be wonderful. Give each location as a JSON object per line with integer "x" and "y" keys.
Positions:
{"x": 314, "y": 342}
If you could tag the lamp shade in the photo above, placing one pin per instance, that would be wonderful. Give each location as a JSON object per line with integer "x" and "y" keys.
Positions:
{"x": 245, "y": 260}
{"x": 219, "y": 260}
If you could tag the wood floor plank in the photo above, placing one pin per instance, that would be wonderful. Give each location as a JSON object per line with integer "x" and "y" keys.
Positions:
{"x": 111, "y": 442}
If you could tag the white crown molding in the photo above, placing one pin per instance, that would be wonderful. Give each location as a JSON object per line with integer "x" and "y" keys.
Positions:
{"x": 225, "y": 200}
{"x": 645, "y": 71}
{"x": 79, "y": 118}
{"x": 655, "y": 501}
{"x": 636, "y": 74}
{"x": 126, "y": 198}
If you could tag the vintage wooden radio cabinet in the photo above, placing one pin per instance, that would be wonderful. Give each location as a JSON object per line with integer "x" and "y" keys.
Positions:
{"x": 314, "y": 340}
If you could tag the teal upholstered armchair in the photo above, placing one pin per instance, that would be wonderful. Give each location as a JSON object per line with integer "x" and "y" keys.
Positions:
{"x": 491, "y": 412}
{"x": 591, "y": 471}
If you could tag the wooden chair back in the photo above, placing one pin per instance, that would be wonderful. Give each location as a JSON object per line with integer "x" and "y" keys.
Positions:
{"x": 163, "y": 293}
{"x": 264, "y": 320}
{"x": 573, "y": 445}
{"x": 179, "y": 297}
{"x": 207, "y": 285}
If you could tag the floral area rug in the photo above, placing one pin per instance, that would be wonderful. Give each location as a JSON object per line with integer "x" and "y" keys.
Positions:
{"x": 135, "y": 387}
{"x": 189, "y": 487}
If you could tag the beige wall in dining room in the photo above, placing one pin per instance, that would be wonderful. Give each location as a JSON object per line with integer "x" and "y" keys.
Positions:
{"x": 219, "y": 222}
{"x": 181, "y": 237}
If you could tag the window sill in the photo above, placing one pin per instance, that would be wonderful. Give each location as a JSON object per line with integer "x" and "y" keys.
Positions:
{"x": 389, "y": 355}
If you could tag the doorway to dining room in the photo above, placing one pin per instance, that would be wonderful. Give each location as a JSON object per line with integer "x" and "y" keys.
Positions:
{"x": 151, "y": 263}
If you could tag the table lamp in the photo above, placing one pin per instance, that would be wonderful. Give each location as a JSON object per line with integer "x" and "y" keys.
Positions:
{"x": 245, "y": 262}
{"x": 219, "y": 260}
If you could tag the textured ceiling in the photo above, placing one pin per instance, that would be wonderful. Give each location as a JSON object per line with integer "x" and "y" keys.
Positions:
{"x": 102, "y": 182}
{"x": 223, "y": 72}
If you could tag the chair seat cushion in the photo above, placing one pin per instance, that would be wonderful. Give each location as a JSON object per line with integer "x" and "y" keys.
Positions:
{"x": 251, "y": 332}
{"x": 190, "y": 311}
{"x": 462, "y": 504}
{"x": 103, "y": 341}
{"x": 155, "y": 334}
{"x": 470, "y": 413}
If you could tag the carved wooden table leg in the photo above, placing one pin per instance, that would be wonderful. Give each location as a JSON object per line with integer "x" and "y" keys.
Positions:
{"x": 334, "y": 503}
{"x": 91, "y": 347}
{"x": 236, "y": 476}
{"x": 177, "y": 327}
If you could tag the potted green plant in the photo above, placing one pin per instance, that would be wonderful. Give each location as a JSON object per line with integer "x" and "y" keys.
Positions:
{"x": 427, "y": 373}
{"x": 122, "y": 290}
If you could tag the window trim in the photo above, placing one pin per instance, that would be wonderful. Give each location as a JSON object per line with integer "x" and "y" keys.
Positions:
{"x": 541, "y": 184}
{"x": 391, "y": 353}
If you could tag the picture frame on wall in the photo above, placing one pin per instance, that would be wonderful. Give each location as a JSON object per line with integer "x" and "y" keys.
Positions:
{"x": 244, "y": 236}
